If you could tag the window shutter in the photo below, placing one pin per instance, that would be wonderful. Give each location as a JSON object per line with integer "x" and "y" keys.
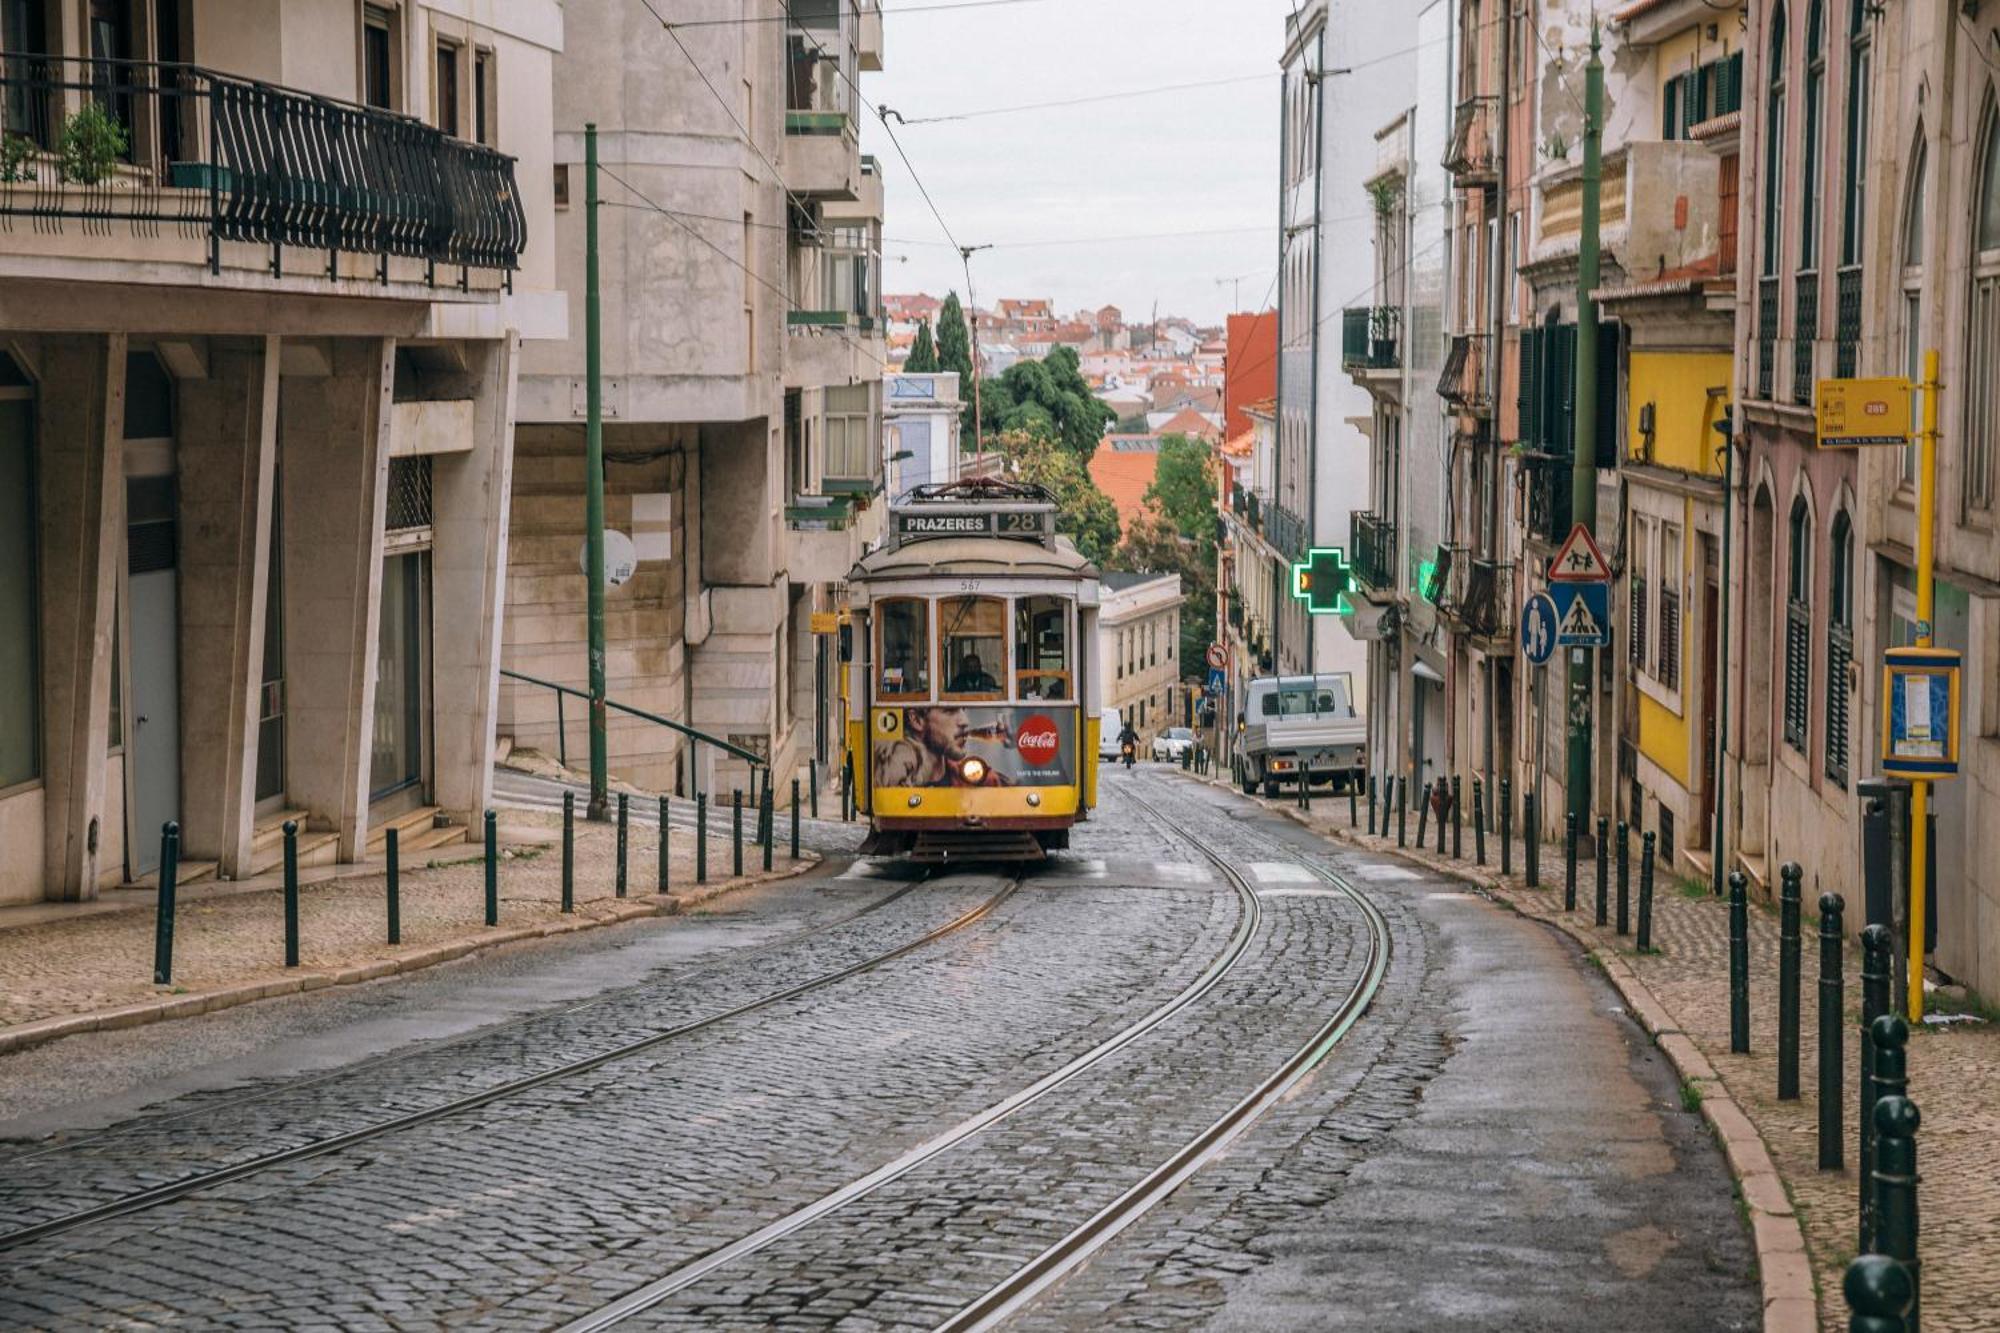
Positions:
{"x": 1670, "y": 98}
{"x": 1531, "y": 343}
{"x": 1670, "y": 638}
{"x": 1839, "y": 653}
{"x": 1607, "y": 395}
{"x": 1637, "y": 618}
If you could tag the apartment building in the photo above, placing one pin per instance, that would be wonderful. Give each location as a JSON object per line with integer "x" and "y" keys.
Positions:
{"x": 922, "y": 421}
{"x": 265, "y": 282}
{"x": 743, "y": 368}
{"x": 1138, "y": 638}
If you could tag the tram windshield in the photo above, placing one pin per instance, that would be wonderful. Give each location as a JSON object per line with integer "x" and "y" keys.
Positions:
{"x": 1041, "y": 649}
{"x": 905, "y": 649}
{"x": 972, "y": 646}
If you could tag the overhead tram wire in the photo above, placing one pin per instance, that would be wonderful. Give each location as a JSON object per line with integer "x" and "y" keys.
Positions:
{"x": 748, "y": 272}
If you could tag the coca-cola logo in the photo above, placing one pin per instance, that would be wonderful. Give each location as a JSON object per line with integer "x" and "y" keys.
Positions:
{"x": 1038, "y": 739}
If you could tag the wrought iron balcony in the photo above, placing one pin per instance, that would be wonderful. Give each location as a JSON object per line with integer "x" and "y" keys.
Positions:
{"x": 146, "y": 145}
{"x": 1463, "y": 382}
{"x": 1546, "y": 478}
{"x": 1805, "y": 335}
{"x": 1374, "y": 552}
{"x": 1847, "y": 323}
{"x": 1473, "y": 590}
{"x": 1470, "y": 155}
{"x": 1286, "y": 531}
{"x": 1371, "y": 338}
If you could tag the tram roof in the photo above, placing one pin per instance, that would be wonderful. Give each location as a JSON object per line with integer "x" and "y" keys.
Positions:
{"x": 965, "y": 557}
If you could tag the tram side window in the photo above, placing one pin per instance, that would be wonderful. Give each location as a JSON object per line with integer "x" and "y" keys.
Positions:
{"x": 903, "y": 664}
{"x": 972, "y": 646}
{"x": 1041, "y": 649}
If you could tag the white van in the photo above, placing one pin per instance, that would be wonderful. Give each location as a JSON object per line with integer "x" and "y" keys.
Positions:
{"x": 1111, "y": 724}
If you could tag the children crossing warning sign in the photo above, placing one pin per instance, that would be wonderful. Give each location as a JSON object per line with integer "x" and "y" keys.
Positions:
{"x": 1579, "y": 560}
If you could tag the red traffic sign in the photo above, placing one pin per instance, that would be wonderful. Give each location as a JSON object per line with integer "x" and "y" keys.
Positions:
{"x": 1218, "y": 656}
{"x": 1579, "y": 561}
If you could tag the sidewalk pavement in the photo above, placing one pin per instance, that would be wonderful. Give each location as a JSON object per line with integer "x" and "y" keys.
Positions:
{"x": 1680, "y": 994}
{"x": 93, "y": 969}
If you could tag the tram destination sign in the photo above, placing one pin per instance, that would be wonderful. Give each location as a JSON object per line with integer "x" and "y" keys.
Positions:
{"x": 1034, "y": 522}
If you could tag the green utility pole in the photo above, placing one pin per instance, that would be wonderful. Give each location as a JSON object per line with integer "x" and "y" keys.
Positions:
{"x": 1583, "y": 451}
{"x": 593, "y": 483}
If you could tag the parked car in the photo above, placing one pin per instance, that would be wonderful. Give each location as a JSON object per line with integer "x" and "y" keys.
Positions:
{"x": 1298, "y": 728}
{"x": 1171, "y": 744}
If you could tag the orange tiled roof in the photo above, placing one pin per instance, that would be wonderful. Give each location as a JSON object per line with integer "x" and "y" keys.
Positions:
{"x": 1124, "y": 477}
{"x": 1240, "y": 445}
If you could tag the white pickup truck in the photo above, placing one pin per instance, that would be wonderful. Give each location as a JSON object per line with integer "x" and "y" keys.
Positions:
{"x": 1293, "y": 725}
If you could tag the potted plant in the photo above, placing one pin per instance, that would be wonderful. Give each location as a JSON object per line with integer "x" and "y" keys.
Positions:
{"x": 92, "y": 144}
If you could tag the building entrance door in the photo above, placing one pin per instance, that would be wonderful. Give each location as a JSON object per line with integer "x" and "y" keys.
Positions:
{"x": 402, "y": 682}
{"x": 154, "y": 741}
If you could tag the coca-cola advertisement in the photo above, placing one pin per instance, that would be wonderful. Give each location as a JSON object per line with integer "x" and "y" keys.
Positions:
{"x": 950, "y": 746}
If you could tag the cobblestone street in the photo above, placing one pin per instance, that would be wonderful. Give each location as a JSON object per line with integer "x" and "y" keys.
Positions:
{"x": 863, "y": 1098}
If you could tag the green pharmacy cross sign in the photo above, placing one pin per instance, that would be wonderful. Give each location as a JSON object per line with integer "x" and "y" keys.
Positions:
{"x": 1323, "y": 581}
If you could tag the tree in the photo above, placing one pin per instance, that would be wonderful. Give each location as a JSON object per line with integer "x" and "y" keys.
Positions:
{"x": 1184, "y": 486}
{"x": 923, "y": 352}
{"x": 954, "y": 345}
{"x": 1084, "y": 514}
{"x": 1048, "y": 397}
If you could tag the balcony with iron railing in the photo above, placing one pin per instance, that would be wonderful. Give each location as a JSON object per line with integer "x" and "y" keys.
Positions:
{"x": 150, "y": 163}
{"x": 1546, "y": 479}
{"x": 1463, "y": 382}
{"x": 1847, "y": 323}
{"x": 1476, "y": 592}
{"x": 1371, "y": 338}
{"x": 1374, "y": 554}
{"x": 1470, "y": 154}
{"x": 1805, "y": 336}
{"x": 1285, "y": 531}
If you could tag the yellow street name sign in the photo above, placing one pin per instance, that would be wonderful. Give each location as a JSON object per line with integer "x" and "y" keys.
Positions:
{"x": 1853, "y": 413}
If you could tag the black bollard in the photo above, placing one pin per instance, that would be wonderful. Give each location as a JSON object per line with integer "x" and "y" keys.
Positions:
{"x": 1603, "y": 872}
{"x": 1457, "y": 821}
{"x": 1739, "y": 962}
{"x": 569, "y": 852}
{"x": 736, "y": 856}
{"x": 1442, "y": 794}
{"x": 1531, "y": 839}
{"x": 163, "y": 918}
{"x": 812, "y": 785}
{"x": 395, "y": 858}
{"x": 492, "y": 869}
{"x": 1878, "y": 1295}
{"x": 666, "y": 849}
{"x": 1506, "y": 827}
{"x": 1831, "y": 942}
{"x": 624, "y": 825}
{"x": 291, "y": 831}
{"x": 795, "y": 819}
{"x": 1645, "y": 941}
{"x": 1789, "y": 876}
{"x": 1623, "y": 852}
{"x": 1895, "y": 1164}
{"x": 1424, "y": 818}
{"x": 1402, "y": 811}
{"x": 1371, "y": 805}
{"x": 1569, "y": 861}
{"x": 1876, "y": 942}
{"x": 1478, "y": 822}
{"x": 701, "y": 837}
{"x": 1353, "y": 818}
{"x": 1305, "y": 787}
{"x": 770, "y": 820}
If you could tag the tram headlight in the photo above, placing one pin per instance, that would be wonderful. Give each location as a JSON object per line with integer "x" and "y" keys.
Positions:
{"x": 1034, "y": 798}
{"x": 915, "y": 800}
{"x": 973, "y": 770}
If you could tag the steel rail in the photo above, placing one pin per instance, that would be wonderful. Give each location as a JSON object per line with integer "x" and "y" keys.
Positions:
{"x": 674, "y": 978}
{"x": 142, "y": 1200}
{"x": 652, "y": 1293}
{"x": 1009, "y": 1297}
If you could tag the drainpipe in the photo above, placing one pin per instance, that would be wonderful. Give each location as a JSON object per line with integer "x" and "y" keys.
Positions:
{"x": 1311, "y": 516}
{"x": 1726, "y": 428}
{"x": 1501, "y": 280}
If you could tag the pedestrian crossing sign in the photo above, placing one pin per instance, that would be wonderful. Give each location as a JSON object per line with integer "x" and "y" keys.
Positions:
{"x": 1583, "y": 614}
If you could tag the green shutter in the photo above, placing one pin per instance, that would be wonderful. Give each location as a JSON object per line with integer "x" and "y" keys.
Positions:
{"x": 1607, "y": 394}
{"x": 1531, "y": 340}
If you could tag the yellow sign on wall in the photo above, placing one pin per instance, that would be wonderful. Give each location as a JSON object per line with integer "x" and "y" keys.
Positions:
{"x": 1853, "y": 413}
{"x": 826, "y": 622}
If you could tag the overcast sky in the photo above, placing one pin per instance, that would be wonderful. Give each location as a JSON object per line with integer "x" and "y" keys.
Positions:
{"x": 1203, "y": 159}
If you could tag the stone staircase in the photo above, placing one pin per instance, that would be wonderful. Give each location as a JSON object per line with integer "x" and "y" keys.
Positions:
{"x": 416, "y": 831}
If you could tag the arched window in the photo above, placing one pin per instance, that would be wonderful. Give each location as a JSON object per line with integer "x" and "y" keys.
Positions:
{"x": 1774, "y": 147}
{"x": 1915, "y": 219}
{"x": 1982, "y": 390}
{"x": 1859, "y": 67}
{"x": 1798, "y": 625}
{"x": 1839, "y": 642}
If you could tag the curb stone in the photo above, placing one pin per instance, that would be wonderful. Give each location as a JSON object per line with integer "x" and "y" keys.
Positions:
{"x": 24, "y": 1036}
{"x": 1791, "y": 1302}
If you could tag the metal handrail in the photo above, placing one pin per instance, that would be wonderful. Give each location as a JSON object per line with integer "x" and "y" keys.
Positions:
{"x": 755, "y": 760}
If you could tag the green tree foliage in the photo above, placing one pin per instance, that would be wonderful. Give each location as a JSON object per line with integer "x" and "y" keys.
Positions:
{"x": 923, "y": 353}
{"x": 1176, "y": 535}
{"x": 954, "y": 344}
{"x": 1048, "y": 399}
{"x": 1084, "y": 514}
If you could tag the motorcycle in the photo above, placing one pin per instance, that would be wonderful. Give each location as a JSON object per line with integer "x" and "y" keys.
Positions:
{"x": 1129, "y": 752}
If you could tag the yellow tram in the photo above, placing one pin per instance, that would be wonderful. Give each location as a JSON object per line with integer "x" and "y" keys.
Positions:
{"x": 972, "y": 716}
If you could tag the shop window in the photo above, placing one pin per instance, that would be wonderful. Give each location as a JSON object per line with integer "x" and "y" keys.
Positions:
{"x": 902, "y": 651}
{"x": 972, "y": 647}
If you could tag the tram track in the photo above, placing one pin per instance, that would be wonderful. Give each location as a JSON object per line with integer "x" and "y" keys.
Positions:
{"x": 1045, "y": 1269}
{"x": 143, "y": 1200}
